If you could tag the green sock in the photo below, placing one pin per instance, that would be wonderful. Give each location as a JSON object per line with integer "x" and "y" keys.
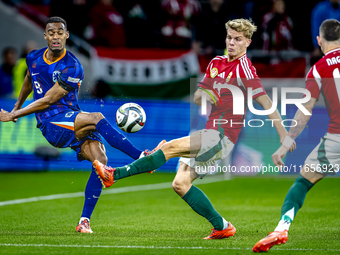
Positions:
{"x": 201, "y": 204}
{"x": 293, "y": 201}
{"x": 142, "y": 165}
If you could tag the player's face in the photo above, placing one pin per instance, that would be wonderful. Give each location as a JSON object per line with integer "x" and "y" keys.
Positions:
{"x": 56, "y": 35}
{"x": 236, "y": 43}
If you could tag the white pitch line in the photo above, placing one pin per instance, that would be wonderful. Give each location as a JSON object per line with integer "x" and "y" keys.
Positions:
{"x": 156, "y": 186}
{"x": 152, "y": 247}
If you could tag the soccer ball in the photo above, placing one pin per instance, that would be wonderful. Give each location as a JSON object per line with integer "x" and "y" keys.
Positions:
{"x": 130, "y": 117}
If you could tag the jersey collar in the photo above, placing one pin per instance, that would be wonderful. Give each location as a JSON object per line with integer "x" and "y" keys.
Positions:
{"x": 48, "y": 62}
{"x": 239, "y": 58}
{"x": 332, "y": 51}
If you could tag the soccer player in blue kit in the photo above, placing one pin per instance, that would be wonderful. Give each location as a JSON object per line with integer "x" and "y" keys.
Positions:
{"x": 55, "y": 75}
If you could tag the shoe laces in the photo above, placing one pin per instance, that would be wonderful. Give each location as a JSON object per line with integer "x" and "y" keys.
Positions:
{"x": 213, "y": 230}
{"x": 110, "y": 169}
{"x": 147, "y": 152}
{"x": 85, "y": 223}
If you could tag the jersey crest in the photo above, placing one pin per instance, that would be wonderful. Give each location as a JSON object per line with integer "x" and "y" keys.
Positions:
{"x": 55, "y": 76}
{"x": 213, "y": 72}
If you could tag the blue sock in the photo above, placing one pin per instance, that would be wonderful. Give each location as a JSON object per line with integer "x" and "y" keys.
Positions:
{"x": 92, "y": 193}
{"x": 116, "y": 139}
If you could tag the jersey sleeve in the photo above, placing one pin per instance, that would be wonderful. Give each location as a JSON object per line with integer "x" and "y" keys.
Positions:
{"x": 29, "y": 60}
{"x": 205, "y": 83}
{"x": 71, "y": 77}
{"x": 248, "y": 78}
{"x": 313, "y": 82}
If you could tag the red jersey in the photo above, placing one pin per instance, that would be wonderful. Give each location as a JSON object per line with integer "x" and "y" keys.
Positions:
{"x": 240, "y": 73}
{"x": 324, "y": 77}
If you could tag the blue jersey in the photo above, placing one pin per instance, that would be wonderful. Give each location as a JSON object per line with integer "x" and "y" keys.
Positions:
{"x": 66, "y": 70}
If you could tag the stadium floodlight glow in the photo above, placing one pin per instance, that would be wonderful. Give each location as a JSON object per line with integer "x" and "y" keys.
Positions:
{"x": 238, "y": 100}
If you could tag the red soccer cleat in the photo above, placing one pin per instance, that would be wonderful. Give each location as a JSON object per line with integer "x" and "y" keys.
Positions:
{"x": 274, "y": 238}
{"x": 147, "y": 152}
{"x": 84, "y": 227}
{"x": 220, "y": 234}
{"x": 105, "y": 173}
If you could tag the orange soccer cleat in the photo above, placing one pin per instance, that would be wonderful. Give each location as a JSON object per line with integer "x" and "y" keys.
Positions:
{"x": 147, "y": 152}
{"x": 105, "y": 173}
{"x": 84, "y": 227}
{"x": 274, "y": 238}
{"x": 220, "y": 234}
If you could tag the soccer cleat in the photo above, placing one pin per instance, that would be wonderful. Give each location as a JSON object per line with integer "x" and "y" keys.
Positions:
{"x": 105, "y": 173}
{"x": 147, "y": 152}
{"x": 220, "y": 234}
{"x": 84, "y": 227}
{"x": 274, "y": 238}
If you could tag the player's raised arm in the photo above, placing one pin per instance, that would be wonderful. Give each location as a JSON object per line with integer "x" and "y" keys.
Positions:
{"x": 275, "y": 117}
{"x": 52, "y": 95}
{"x": 301, "y": 120}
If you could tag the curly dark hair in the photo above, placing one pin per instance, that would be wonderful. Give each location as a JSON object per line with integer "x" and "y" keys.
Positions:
{"x": 56, "y": 20}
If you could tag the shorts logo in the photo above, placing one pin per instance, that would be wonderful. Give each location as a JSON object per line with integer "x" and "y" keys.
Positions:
{"x": 69, "y": 114}
{"x": 213, "y": 72}
{"x": 74, "y": 80}
{"x": 55, "y": 76}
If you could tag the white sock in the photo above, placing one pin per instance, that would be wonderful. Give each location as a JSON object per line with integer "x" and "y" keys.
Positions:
{"x": 142, "y": 155}
{"x": 285, "y": 221}
{"x": 225, "y": 224}
{"x": 283, "y": 225}
{"x": 83, "y": 218}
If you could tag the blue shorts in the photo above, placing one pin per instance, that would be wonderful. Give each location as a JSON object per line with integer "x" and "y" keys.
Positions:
{"x": 59, "y": 131}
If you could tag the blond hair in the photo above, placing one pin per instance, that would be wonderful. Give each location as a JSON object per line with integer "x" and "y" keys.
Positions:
{"x": 242, "y": 25}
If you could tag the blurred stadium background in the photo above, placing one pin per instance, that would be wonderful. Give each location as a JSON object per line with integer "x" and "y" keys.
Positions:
{"x": 146, "y": 65}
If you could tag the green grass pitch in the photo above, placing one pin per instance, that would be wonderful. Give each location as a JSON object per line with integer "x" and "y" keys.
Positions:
{"x": 157, "y": 221}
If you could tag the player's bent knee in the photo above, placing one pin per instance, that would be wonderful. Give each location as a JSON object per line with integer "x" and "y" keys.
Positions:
{"x": 181, "y": 187}
{"x": 171, "y": 149}
{"x": 97, "y": 116}
{"x": 310, "y": 174}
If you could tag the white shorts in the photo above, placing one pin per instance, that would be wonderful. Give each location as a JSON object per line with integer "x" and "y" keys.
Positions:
{"x": 214, "y": 146}
{"x": 325, "y": 158}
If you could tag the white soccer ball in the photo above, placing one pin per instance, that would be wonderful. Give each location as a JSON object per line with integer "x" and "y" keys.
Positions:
{"x": 130, "y": 117}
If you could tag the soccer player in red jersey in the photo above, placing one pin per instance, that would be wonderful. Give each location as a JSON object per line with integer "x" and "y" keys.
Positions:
{"x": 203, "y": 148}
{"x": 323, "y": 77}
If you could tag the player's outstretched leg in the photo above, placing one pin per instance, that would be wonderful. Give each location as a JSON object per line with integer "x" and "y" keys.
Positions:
{"x": 86, "y": 123}
{"x": 293, "y": 202}
{"x": 200, "y": 203}
{"x": 145, "y": 164}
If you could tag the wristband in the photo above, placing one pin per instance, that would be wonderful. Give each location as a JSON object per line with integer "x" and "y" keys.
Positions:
{"x": 288, "y": 142}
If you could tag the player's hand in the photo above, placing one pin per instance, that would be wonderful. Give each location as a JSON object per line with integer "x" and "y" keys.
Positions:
{"x": 292, "y": 147}
{"x": 279, "y": 155}
{"x": 5, "y": 116}
{"x": 16, "y": 119}
{"x": 209, "y": 98}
